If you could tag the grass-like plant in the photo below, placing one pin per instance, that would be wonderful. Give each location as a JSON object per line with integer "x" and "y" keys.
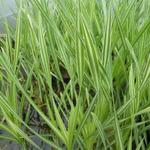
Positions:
{"x": 76, "y": 75}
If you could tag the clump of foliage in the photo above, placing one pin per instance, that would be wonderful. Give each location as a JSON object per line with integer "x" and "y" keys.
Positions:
{"x": 77, "y": 75}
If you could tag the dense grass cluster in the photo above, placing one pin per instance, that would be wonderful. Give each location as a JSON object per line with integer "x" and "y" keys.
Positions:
{"x": 76, "y": 75}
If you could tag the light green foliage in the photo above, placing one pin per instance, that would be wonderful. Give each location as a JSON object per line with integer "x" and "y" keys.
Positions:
{"x": 79, "y": 72}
